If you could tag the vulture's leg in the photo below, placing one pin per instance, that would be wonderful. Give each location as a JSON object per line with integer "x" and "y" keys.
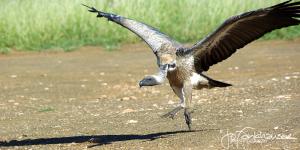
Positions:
{"x": 172, "y": 113}
{"x": 187, "y": 97}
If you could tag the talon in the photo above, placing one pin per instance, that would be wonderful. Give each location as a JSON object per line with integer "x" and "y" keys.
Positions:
{"x": 169, "y": 115}
{"x": 188, "y": 118}
{"x": 172, "y": 113}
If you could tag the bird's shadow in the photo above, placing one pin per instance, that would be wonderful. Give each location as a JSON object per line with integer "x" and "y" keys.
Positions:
{"x": 96, "y": 140}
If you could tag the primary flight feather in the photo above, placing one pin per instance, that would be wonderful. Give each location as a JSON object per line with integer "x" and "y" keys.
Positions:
{"x": 184, "y": 66}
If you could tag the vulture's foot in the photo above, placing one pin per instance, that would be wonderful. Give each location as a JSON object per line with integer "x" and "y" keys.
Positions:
{"x": 172, "y": 113}
{"x": 188, "y": 117}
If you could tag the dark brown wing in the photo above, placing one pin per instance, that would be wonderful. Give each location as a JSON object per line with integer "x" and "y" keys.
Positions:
{"x": 238, "y": 31}
{"x": 154, "y": 38}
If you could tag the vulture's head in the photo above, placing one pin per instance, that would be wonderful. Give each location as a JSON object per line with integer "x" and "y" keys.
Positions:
{"x": 150, "y": 81}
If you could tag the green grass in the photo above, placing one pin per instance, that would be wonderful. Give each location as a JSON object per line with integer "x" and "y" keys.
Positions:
{"x": 54, "y": 24}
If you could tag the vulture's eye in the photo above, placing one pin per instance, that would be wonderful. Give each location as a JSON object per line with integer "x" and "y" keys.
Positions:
{"x": 172, "y": 65}
{"x": 149, "y": 79}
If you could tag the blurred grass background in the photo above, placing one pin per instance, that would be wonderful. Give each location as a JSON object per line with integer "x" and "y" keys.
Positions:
{"x": 65, "y": 24}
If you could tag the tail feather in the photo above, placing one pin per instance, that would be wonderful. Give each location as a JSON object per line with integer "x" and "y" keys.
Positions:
{"x": 215, "y": 83}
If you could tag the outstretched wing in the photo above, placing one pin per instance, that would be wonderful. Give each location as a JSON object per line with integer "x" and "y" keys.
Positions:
{"x": 238, "y": 31}
{"x": 154, "y": 38}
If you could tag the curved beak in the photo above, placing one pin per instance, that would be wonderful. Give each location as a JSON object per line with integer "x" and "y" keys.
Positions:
{"x": 141, "y": 84}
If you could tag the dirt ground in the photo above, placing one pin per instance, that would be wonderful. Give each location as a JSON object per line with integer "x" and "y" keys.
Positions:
{"x": 56, "y": 100}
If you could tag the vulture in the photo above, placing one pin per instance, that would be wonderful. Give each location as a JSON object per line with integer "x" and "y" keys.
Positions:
{"x": 184, "y": 66}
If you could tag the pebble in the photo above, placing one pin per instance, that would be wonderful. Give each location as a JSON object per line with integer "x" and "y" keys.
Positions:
{"x": 155, "y": 105}
{"x": 102, "y": 97}
{"x": 132, "y": 121}
{"x": 33, "y": 98}
{"x": 170, "y": 102}
{"x": 284, "y": 96}
{"x": 125, "y": 98}
{"x": 133, "y": 97}
{"x": 128, "y": 111}
{"x": 13, "y": 76}
{"x": 247, "y": 100}
{"x": 71, "y": 99}
{"x": 71, "y": 144}
{"x": 155, "y": 92}
{"x": 11, "y": 101}
{"x": 96, "y": 115}
{"x": 20, "y": 113}
{"x": 22, "y": 136}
